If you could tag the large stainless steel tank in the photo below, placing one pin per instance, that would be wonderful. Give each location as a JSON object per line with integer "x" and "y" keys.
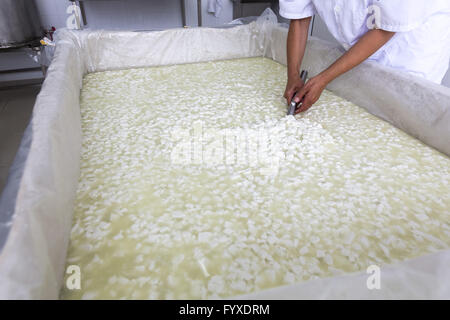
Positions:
{"x": 19, "y": 23}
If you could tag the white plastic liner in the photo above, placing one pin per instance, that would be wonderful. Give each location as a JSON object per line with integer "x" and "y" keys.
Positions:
{"x": 426, "y": 277}
{"x": 37, "y": 203}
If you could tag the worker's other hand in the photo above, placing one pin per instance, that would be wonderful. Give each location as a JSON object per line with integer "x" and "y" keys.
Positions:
{"x": 310, "y": 93}
{"x": 294, "y": 84}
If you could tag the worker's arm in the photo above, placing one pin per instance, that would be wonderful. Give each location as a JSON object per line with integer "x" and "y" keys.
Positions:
{"x": 296, "y": 44}
{"x": 363, "y": 49}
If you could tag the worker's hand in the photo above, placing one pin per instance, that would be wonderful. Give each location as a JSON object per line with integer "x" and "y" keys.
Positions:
{"x": 310, "y": 93}
{"x": 294, "y": 84}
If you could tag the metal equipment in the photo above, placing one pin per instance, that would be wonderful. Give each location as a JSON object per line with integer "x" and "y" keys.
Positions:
{"x": 293, "y": 106}
{"x": 19, "y": 24}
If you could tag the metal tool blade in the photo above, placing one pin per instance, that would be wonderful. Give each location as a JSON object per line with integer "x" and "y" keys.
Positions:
{"x": 293, "y": 106}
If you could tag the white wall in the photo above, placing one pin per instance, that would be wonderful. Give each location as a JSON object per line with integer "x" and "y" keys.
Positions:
{"x": 320, "y": 30}
{"x": 226, "y": 15}
{"x": 52, "y": 12}
{"x": 133, "y": 14}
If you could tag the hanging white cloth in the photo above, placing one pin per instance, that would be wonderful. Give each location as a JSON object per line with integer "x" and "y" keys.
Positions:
{"x": 215, "y": 7}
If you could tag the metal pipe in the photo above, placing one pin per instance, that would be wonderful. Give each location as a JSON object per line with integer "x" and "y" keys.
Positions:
{"x": 183, "y": 13}
{"x": 83, "y": 12}
{"x": 20, "y": 70}
{"x": 237, "y": 9}
{"x": 199, "y": 12}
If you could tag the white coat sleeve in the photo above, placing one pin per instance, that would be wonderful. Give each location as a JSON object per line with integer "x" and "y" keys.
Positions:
{"x": 296, "y": 9}
{"x": 406, "y": 15}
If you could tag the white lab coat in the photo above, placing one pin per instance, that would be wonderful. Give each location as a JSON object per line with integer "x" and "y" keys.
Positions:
{"x": 421, "y": 45}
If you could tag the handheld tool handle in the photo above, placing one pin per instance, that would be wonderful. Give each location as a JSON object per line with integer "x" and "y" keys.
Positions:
{"x": 294, "y": 105}
{"x": 304, "y": 75}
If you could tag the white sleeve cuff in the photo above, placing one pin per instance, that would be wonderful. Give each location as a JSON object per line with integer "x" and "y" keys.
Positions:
{"x": 296, "y": 9}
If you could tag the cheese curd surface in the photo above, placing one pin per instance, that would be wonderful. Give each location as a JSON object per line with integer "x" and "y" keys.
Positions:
{"x": 195, "y": 184}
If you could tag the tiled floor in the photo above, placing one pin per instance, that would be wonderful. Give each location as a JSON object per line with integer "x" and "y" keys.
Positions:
{"x": 16, "y": 105}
